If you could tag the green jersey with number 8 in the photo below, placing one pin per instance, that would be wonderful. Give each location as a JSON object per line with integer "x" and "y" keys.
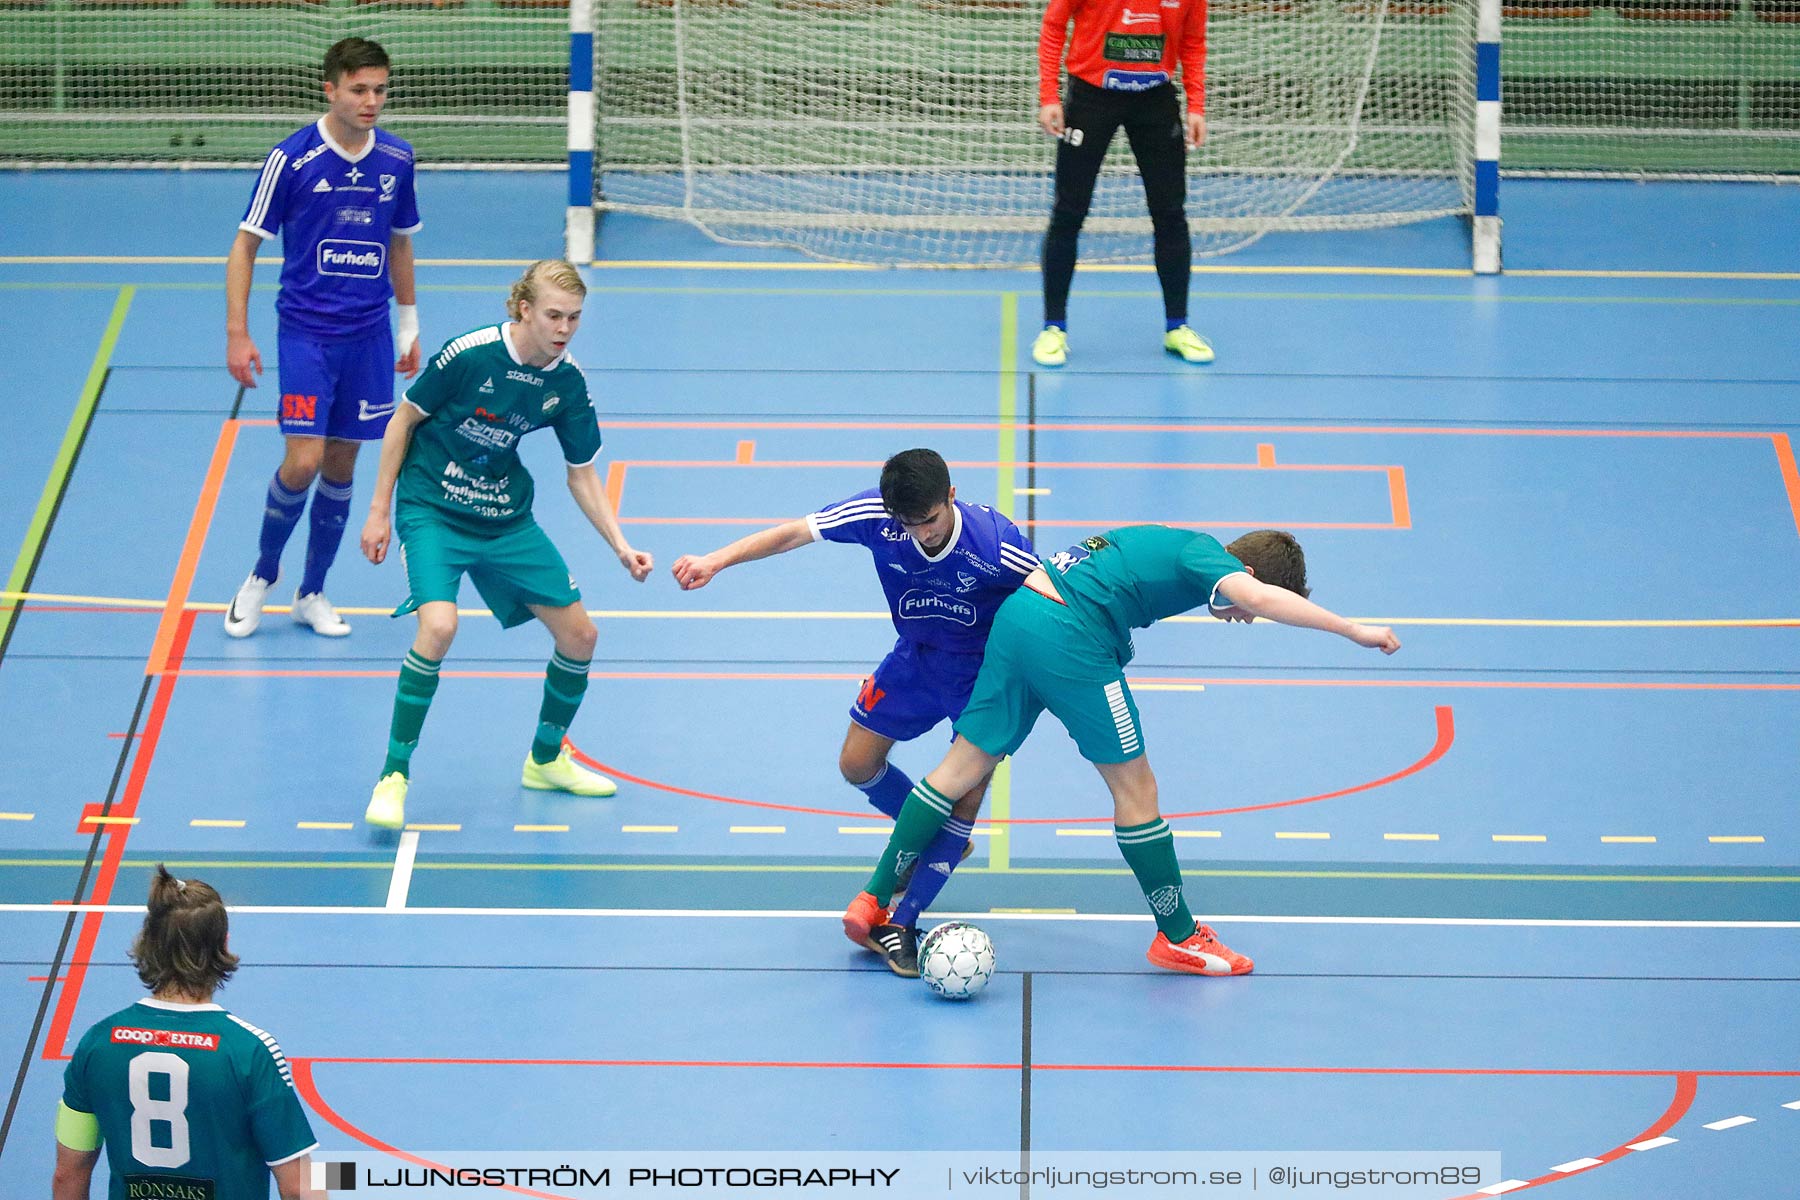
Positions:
{"x": 193, "y": 1103}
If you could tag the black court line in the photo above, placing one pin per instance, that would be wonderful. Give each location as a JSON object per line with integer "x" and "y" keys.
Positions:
{"x": 1025, "y": 1088}
{"x": 62, "y": 490}
{"x": 237, "y": 403}
{"x": 126, "y": 748}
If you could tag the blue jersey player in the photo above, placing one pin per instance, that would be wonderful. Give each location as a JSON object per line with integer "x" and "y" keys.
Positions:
{"x": 340, "y": 194}
{"x": 945, "y": 566}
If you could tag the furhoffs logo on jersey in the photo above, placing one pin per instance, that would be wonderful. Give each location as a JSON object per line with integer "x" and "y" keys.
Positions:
{"x": 921, "y": 605}
{"x": 356, "y": 260}
{"x": 1165, "y": 900}
{"x": 127, "y": 1035}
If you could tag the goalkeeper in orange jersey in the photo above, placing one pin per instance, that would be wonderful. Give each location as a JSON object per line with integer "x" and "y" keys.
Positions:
{"x": 1122, "y": 62}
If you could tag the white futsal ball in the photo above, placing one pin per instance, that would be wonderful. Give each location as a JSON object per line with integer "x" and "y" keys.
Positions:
{"x": 956, "y": 960}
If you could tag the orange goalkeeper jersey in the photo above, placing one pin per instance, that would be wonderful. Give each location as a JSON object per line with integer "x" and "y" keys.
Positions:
{"x": 1125, "y": 46}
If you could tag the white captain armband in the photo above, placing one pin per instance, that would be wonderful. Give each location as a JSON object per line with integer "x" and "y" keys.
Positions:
{"x": 76, "y": 1130}
{"x": 406, "y": 328}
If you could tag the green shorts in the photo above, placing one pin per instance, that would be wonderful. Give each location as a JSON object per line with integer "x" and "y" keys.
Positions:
{"x": 512, "y": 570}
{"x": 1040, "y": 656}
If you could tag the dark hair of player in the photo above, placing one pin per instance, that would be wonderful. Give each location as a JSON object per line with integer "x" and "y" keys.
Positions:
{"x": 182, "y": 945}
{"x": 914, "y": 482}
{"x": 353, "y": 54}
{"x": 1274, "y": 557}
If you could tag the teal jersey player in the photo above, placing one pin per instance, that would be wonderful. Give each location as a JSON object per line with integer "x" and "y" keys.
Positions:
{"x": 1060, "y": 643}
{"x": 479, "y": 399}
{"x": 191, "y": 1101}
{"x": 451, "y": 486}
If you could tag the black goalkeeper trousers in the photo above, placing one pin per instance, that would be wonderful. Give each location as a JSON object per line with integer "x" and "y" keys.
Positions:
{"x": 1154, "y": 127}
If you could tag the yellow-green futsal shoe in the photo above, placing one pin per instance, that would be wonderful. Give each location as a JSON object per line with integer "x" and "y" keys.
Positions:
{"x": 1051, "y": 349}
{"x": 1188, "y": 344}
{"x": 387, "y": 807}
{"x": 563, "y": 774}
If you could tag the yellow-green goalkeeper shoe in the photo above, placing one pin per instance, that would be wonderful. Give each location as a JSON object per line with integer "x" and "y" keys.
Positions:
{"x": 1190, "y": 345}
{"x": 387, "y": 807}
{"x": 1051, "y": 348}
{"x": 563, "y": 774}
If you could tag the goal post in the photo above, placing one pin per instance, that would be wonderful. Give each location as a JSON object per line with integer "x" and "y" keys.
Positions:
{"x": 902, "y": 132}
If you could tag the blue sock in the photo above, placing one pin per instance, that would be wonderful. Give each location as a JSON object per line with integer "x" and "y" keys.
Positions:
{"x": 1061, "y": 323}
{"x": 936, "y": 861}
{"x": 330, "y": 508}
{"x": 281, "y": 512}
{"x": 1171, "y": 324}
{"x": 888, "y": 790}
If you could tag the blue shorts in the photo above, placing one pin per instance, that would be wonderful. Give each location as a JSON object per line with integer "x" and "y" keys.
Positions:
{"x": 913, "y": 689}
{"x": 342, "y": 390}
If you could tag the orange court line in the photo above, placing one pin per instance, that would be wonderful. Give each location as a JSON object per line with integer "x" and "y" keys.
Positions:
{"x": 615, "y": 483}
{"x": 746, "y": 453}
{"x": 191, "y": 547}
{"x": 1397, "y": 498}
{"x": 1265, "y": 455}
{"x": 1116, "y": 427}
{"x": 1790, "y": 475}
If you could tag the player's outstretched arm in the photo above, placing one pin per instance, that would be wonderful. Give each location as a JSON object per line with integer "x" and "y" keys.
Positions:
{"x": 378, "y": 529}
{"x": 590, "y": 496}
{"x": 696, "y": 570}
{"x": 74, "y": 1173}
{"x": 1260, "y": 599}
{"x": 242, "y": 358}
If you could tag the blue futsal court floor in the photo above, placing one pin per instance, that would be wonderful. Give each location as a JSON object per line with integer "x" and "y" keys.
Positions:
{"x": 1530, "y": 886}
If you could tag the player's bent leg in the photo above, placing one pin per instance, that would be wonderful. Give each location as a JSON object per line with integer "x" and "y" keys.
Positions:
{"x": 549, "y": 766}
{"x": 924, "y": 879}
{"x": 1148, "y": 845}
{"x": 863, "y": 762}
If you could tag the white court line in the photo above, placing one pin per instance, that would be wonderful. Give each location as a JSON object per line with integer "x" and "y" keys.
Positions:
{"x": 1730, "y": 1123}
{"x": 401, "y": 883}
{"x": 1580, "y": 1164}
{"x": 1653, "y": 1143}
{"x": 714, "y": 914}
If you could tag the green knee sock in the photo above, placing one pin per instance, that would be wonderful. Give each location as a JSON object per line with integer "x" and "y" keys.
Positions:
{"x": 924, "y": 813}
{"x": 565, "y": 683}
{"x": 1149, "y": 851}
{"x": 412, "y": 700}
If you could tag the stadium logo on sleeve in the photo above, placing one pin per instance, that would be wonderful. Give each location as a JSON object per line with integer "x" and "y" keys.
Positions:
{"x": 334, "y": 1177}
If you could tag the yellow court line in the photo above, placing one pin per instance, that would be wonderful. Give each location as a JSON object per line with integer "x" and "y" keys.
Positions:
{"x": 649, "y": 829}
{"x": 881, "y": 829}
{"x": 1201, "y": 833}
{"x": 1019, "y": 491}
{"x": 990, "y": 831}
{"x": 540, "y": 829}
{"x": 208, "y": 823}
{"x": 759, "y": 829}
{"x": 1311, "y": 837}
{"x": 323, "y": 825}
{"x": 1626, "y": 839}
{"x": 643, "y": 614}
{"x": 434, "y": 829}
{"x": 1734, "y": 840}
{"x": 1520, "y": 837}
{"x": 1084, "y": 833}
{"x": 1410, "y": 837}
{"x": 5, "y": 816}
{"x": 1059, "y": 912}
{"x": 110, "y": 821}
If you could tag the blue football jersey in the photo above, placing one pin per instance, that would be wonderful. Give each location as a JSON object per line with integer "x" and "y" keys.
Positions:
{"x": 336, "y": 213}
{"x": 947, "y": 601}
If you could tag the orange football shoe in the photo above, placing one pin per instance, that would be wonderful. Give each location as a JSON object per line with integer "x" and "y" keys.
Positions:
{"x": 1201, "y": 954}
{"x": 862, "y": 916}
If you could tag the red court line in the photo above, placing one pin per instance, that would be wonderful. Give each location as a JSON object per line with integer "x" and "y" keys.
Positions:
{"x": 309, "y": 1090}
{"x": 1600, "y": 685}
{"x": 1446, "y": 735}
{"x": 164, "y": 663}
{"x": 663, "y": 1062}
